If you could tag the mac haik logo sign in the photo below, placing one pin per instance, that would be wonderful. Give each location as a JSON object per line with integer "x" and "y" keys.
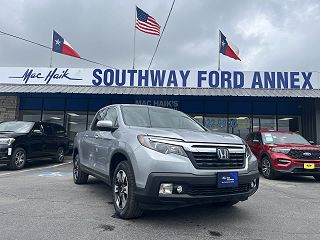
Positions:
{"x": 160, "y": 78}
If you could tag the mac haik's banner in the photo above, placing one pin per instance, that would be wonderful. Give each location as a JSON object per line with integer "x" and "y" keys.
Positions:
{"x": 160, "y": 78}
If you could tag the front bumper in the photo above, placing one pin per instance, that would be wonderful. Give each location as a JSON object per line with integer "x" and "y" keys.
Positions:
{"x": 197, "y": 190}
{"x": 5, "y": 154}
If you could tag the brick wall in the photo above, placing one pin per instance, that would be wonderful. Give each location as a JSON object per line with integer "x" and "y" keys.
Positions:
{"x": 9, "y": 108}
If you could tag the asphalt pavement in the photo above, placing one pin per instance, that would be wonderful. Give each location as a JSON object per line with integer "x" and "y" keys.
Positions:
{"x": 42, "y": 202}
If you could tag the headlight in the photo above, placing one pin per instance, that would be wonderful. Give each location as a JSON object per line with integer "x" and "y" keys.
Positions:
{"x": 280, "y": 150}
{"x": 6, "y": 141}
{"x": 161, "y": 147}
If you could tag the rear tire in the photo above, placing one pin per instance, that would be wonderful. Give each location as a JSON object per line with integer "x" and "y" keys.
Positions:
{"x": 18, "y": 159}
{"x": 123, "y": 188}
{"x": 317, "y": 178}
{"x": 59, "y": 158}
{"x": 79, "y": 177}
{"x": 267, "y": 169}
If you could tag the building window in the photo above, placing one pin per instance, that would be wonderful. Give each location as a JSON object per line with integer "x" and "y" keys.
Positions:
{"x": 240, "y": 125}
{"x": 268, "y": 123}
{"x": 30, "y": 115}
{"x": 289, "y": 123}
{"x": 53, "y": 117}
{"x": 216, "y": 123}
{"x": 75, "y": 122}
{"x": 198, "y": 118}
{"x": 90, "y": 118}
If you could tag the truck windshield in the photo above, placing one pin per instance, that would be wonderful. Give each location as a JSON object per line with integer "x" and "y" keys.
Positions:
{"x": 141, "y": 116}
{"x": 16, "y": 127}
{"x": 283, "y": 138}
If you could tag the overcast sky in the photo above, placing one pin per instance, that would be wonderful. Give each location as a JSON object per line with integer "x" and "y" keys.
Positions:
{"x": 270, "y": 34}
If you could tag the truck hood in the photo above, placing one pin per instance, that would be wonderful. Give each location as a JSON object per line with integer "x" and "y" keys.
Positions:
{"x": 11, "y": 134}
{"x": 190, "y": 136}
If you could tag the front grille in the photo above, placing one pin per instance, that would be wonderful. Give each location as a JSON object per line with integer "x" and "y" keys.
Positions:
{"x": 213, "y": 190}
{"x": 299, "y": 154}
{"x": 209, "y": 160}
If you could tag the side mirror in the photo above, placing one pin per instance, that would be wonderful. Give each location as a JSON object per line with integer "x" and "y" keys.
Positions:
{"x": 311, "y": 142}
{"x": 105, "y": 125}
{"x": 256, "y": 141}
{"x": 36, "y": 132}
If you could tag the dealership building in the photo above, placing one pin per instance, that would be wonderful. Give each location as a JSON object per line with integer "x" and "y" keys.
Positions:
{"x": 235, "y": 102}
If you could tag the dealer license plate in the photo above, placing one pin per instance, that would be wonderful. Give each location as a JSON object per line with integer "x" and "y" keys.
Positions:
{"x": 308, "y": 165}
{"x": 227, "y": 179}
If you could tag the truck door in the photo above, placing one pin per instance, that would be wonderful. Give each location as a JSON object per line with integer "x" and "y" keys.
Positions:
{"x": 105, "y": 142}
{"x": 88, "y": 143}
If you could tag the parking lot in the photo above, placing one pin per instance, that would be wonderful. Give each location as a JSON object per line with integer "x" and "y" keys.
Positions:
{"x": 42, "y": 202}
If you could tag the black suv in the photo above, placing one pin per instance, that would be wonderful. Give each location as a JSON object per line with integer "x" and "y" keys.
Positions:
{"x": 24, "y": 141}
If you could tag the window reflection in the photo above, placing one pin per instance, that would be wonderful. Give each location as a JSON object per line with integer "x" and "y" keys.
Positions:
{"x": 75, "y": 122}
{"x": 30, "y": 115}
{"x": 53, "y": 117}
{"x": 240, "y": 125}
{"x": 289, "y": 123}
{"x": 216, "y": 123}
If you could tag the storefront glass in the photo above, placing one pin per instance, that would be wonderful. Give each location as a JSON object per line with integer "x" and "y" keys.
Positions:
{"x": 240, "y": 125}
{"x": 216, "y": 123}
{"x": 53, "y": 117}
{"x": 289, "y": 123}
{"x": 30, "y": 115}
{"x": 75, "y": 122}
{"x": 268, "y": 123}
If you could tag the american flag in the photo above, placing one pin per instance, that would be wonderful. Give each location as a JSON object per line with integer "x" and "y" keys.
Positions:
{"x": 146, "y": 23}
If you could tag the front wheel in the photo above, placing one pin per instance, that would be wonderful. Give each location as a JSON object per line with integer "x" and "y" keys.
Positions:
{"x": 267, "y": 169}
{"x": 79, "y": 177}
{"x": 123, "y": 184}
{"x": 18, "y": 159}
{"x": 317, "y": 178}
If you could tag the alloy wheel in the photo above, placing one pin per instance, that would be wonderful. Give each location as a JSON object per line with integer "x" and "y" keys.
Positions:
{"x": 19, "y": 158}
{"x": 76, "y": 167}
{"x": 121, "y": 189}
{"x": 60, "y": 154}
{"x": 266, "y": 167}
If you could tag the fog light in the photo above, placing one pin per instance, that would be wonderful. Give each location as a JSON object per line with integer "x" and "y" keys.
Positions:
{"x": 166, "y": 188}
{"x": 253, "y": 183}
{"x": 179, "y": 189}
{"x": 283, "y": 161}
{"x": 9, "y": 151}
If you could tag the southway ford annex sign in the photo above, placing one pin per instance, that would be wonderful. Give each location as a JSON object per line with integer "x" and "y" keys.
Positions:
{"x": 160, "y": 78}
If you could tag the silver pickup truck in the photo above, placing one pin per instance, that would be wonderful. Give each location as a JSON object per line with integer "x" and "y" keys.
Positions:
{"x": 158, "y": 158}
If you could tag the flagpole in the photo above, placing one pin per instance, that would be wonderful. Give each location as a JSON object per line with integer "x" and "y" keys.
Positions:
{"x": 134, "y": 37}
{"x": 51, "y": 51}
{"x": 219, "y": 50}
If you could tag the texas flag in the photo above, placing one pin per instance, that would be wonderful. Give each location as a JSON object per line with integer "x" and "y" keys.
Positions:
{"x": 227, "y": 48}
{"x": 60, "y": 45}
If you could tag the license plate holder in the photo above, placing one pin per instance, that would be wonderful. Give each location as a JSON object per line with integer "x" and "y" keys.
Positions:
{"x": 308, "y": 166}
{"x": 227, "y": 179}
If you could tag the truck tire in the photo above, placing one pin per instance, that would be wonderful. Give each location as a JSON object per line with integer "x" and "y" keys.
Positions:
{"x": 267, "y": 169}
{"x": 18, "y": 159}
{"x": 79, "y": 177}
{"x": 123, "y": 188}
{"x": 59, "y": 158}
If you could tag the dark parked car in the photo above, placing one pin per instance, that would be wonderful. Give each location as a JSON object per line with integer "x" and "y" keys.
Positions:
{"x": 25, "y": 141}
{"x": 284, "y": 152}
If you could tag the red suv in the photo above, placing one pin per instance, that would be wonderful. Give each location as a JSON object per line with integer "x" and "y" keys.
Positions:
{"x": 284, "y": 152}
